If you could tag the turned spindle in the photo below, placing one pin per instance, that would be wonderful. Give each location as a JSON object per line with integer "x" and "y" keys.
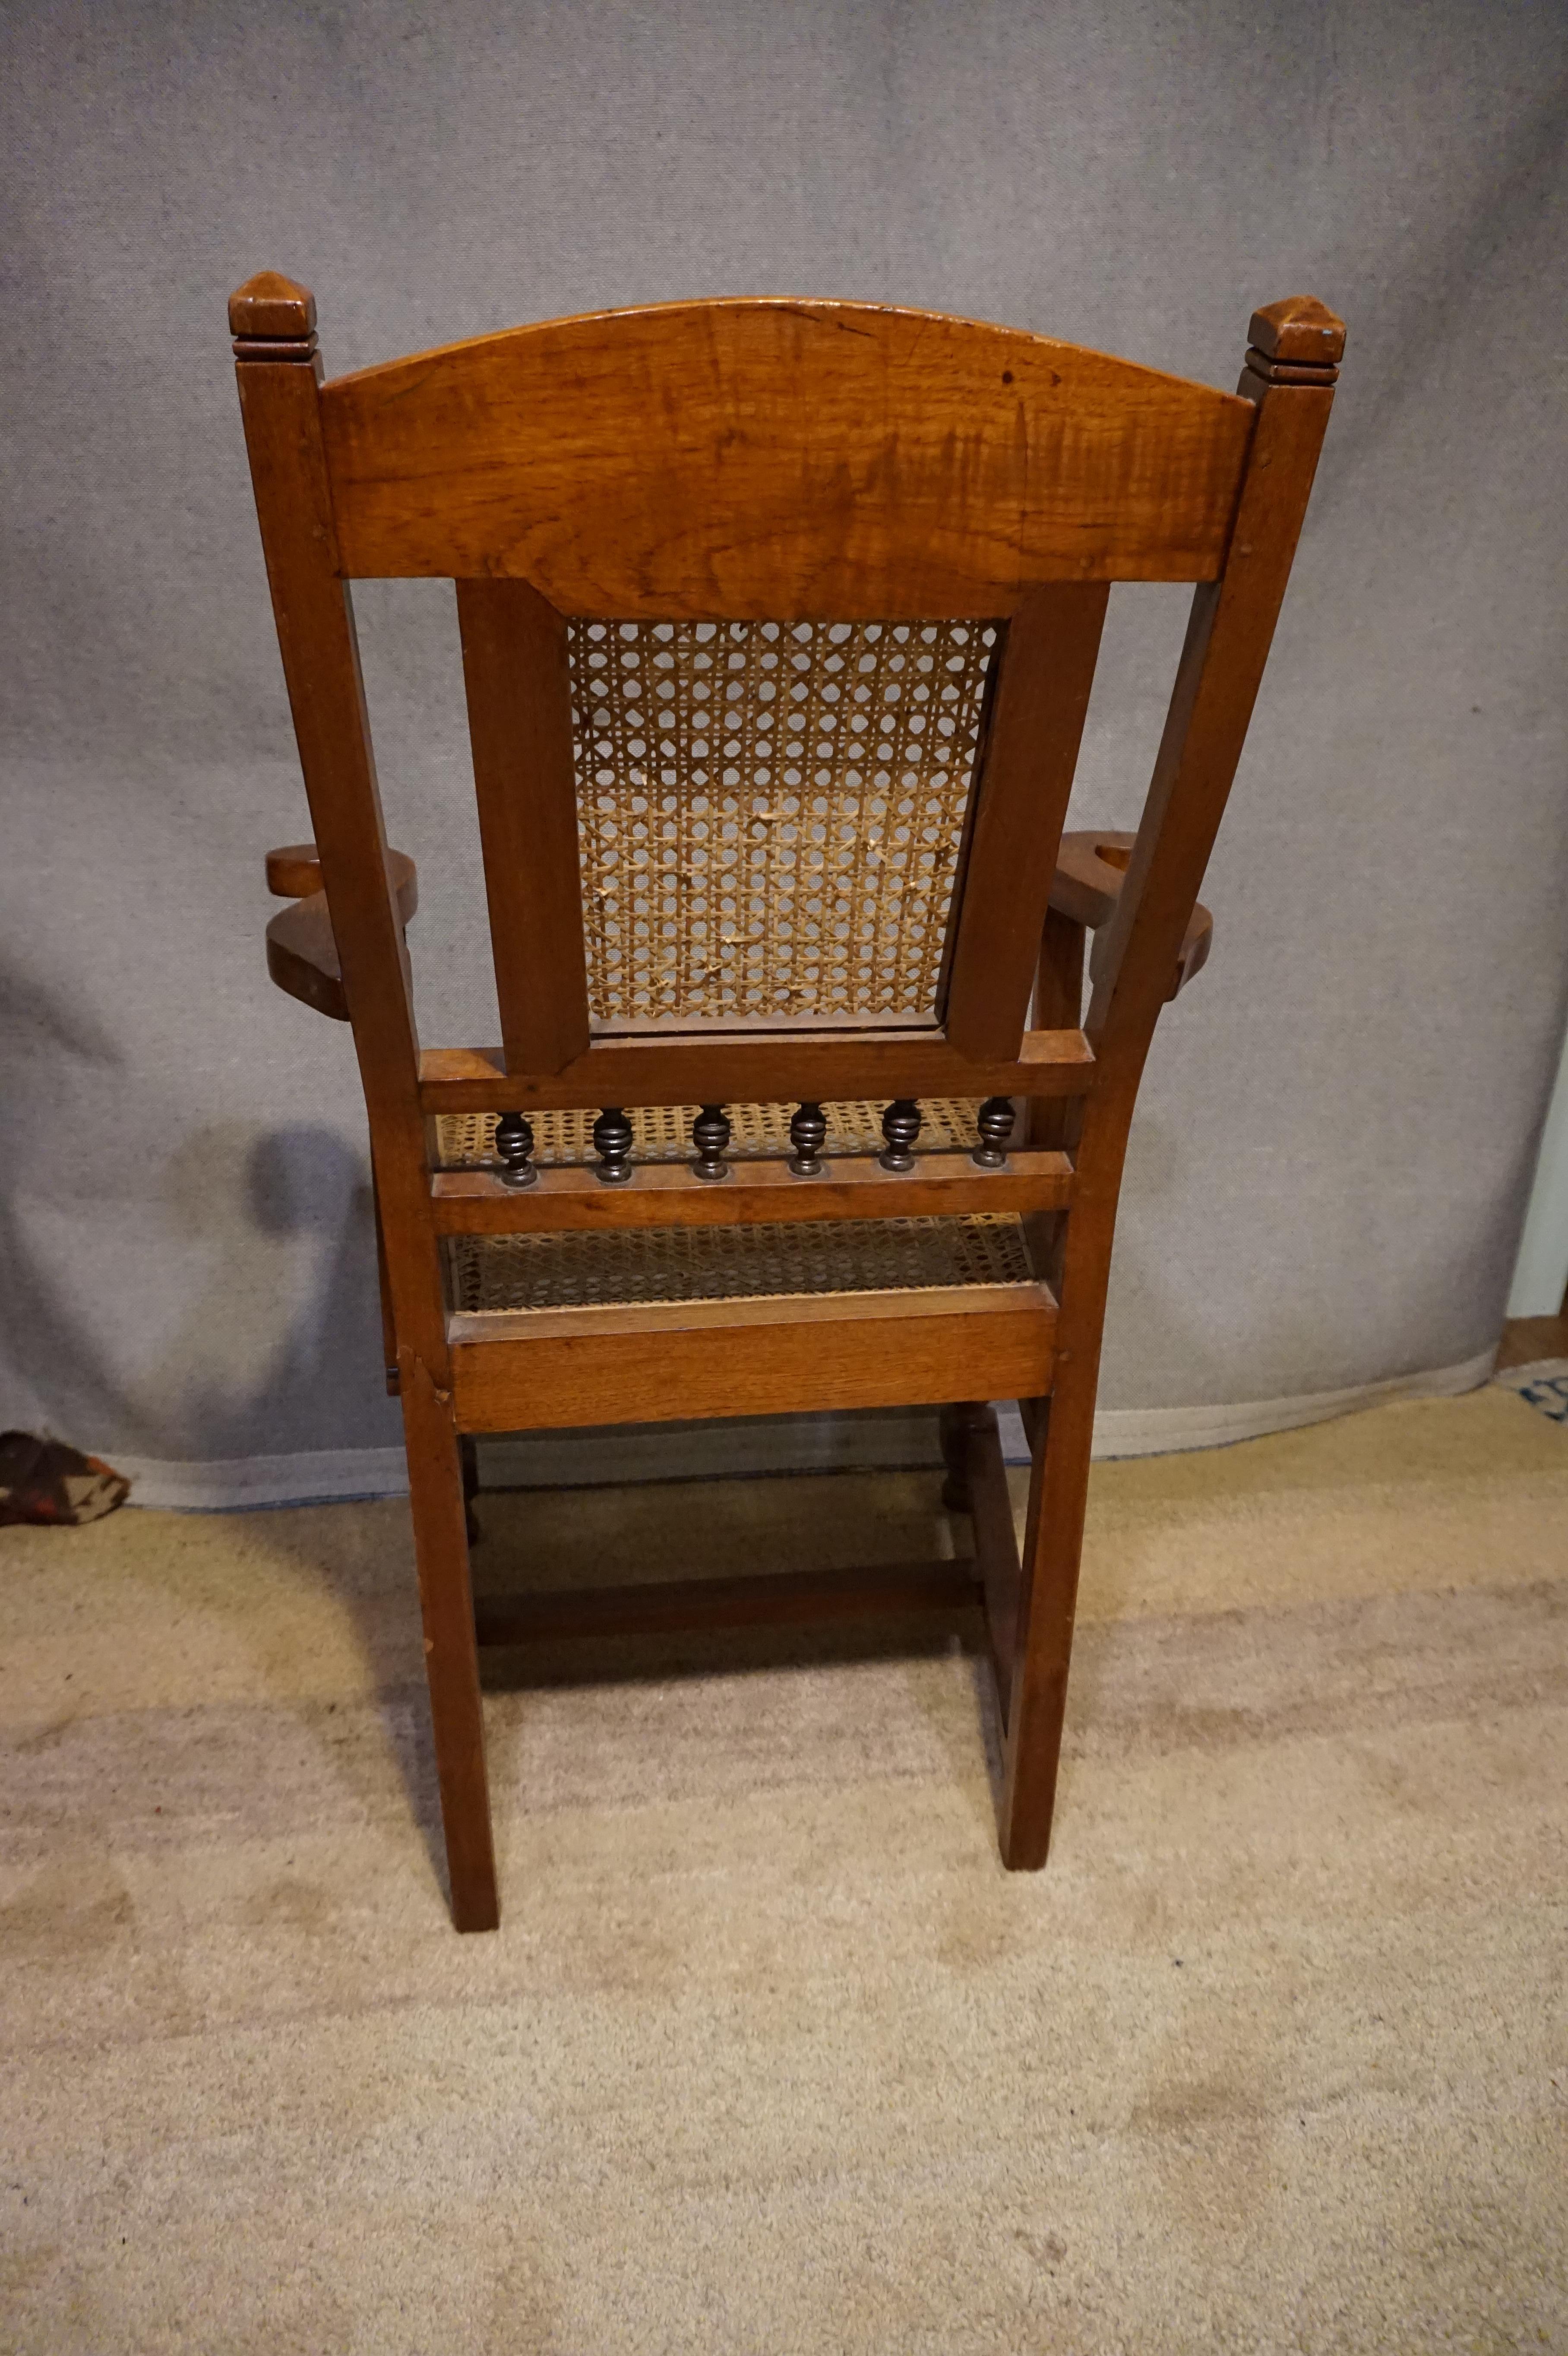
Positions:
{"x": 901, "y": 1127}
{"x": 514, "y": 1149}
{"x": 807, "y": 1134}
{"x": 995, "y": 1123}
{"x": 612, "y": 1143}
{"x": 710, "y": 1135}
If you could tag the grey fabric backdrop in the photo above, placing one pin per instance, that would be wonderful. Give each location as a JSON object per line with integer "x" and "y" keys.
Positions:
{"x": 1338, "y": 1124}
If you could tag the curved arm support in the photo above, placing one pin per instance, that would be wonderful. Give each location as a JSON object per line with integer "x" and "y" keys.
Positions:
{"x": 1090, "y": 869}
{"x": 301, "y": 954}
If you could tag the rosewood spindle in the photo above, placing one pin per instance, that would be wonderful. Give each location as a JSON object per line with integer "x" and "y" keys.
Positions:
{"x": 807, "y": 1134}
{"x": 710, "y": 1135}
{"x": 995, "y": 1123}
{"x": 612, "y": 1143}
{"x": 901, "y": 1127}
{"x": 514, "y": 1149}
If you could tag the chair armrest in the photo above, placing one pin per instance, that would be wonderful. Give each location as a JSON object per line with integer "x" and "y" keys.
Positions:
{"x": 294, "y": 874}
{"x": 302, "y": 957}
{"x": 301, "y": 954}
{"x": 1090, "y": 869}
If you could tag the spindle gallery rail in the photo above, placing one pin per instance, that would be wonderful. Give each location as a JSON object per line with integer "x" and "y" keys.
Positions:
{"x": 710, "y": 1134}
{"x": 778, "y": 623}
{"x": 784, "y": 1176}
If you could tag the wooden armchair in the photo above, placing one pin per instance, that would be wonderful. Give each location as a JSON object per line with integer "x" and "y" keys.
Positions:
{"x": 779, "y": 621}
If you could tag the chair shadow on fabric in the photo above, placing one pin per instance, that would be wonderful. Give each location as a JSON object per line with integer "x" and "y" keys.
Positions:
{"x": 51, "y": 1046}
{"x": 543, "y": 1540}
{"x": 279, "y": 1352}
{"x": 284, "y": 1333}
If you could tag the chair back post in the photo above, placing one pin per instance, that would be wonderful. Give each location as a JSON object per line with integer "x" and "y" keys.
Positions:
{"x": 279, "y": 373}
{"x": 1022, "y": 784}
{"x": 1291, "y": 369}
{"x": 520, "y": 725}
{"x": 1289, "y": 375}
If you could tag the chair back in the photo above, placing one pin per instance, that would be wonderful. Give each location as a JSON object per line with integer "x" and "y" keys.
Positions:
{"x": 779, "y": 621}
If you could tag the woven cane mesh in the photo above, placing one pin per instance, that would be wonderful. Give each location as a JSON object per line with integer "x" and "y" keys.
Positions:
{"x": 647, "y": 1264}
{"x": 770, "y": 814}
{"x": 663, "y": 1133}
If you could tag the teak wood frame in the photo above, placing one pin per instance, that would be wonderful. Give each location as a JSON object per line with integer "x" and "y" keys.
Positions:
{"x": 789, "y": 462}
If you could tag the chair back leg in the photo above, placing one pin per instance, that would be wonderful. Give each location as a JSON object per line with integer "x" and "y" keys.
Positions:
{"x": 451, "y": 1656}
{"x": 1053, "y": 1542}
{"x": 1061, "y": 1432}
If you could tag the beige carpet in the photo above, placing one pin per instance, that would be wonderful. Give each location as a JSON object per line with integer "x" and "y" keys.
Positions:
{"x": 769, "y": 2055}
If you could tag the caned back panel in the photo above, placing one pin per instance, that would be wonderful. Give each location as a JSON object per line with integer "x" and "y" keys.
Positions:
{"x": 771, "y": 814}
{"x": 898, "y": 517}
{"x": 784, "y": 461}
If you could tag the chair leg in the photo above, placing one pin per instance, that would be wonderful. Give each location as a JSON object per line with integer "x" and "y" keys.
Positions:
{"x": 953, "y": 1432}
{"x": 470, "y": 1456}
{"x": 1053, "y": 1542}
{"x": 452, "y": 1656}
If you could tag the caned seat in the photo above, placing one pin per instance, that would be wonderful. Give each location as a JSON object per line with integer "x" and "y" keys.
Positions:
{"x": 779, "y": 621}
{"x": 804, "y": 1259}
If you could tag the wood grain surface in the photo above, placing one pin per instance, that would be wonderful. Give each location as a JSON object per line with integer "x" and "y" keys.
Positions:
{"x": 782, "y": 461}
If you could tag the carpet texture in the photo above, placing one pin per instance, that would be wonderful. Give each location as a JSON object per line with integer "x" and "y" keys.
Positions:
{"x": 770, "y": 2054}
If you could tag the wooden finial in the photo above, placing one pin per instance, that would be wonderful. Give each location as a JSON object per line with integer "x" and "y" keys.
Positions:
{"x": 1298, "y": 342}
{"x": 270, "y": 318}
